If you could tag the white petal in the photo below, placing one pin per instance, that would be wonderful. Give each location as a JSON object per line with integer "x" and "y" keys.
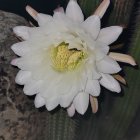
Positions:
{"x": 81, "y": 102}
{"x": 91, "y": 72}
{"x": 110, "y": 34}
{"x": 92, "y": 25}
{"x": 60, "y": 23}
{"x": 43, "y": 19}
{"x": 39, "y": 101}
{"x": 71, "y": 110}
{"x": 104, "y": 48}
{"x": 32, "y": 87}
{"x": 95, "y": 74}
{"x": 59, "y": 16}
{"x": 74, "y": 11}
{"x": 29, "y": 62}
{"x": 99, "y": 54}
{"x": 59, "y": 9}
{"x": 110, "y": 83}
{"x": 22, "y": 31}
{"x": 22, "y": 77}
{"x": 20, "y": 48}
{"x": 101, "y": 51}
{"x": 66, "y": 100}
{"x": 14, "y": 62}
{"x": 52, "y": 103}
{"x": 33, "y": 33}
{"x": 108, "y": 65}
{"x": 55, "y": 87}
{"x": 93, "y": 87}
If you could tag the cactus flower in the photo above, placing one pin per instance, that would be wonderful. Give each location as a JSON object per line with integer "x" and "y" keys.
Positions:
{"x": 66, "y": 59}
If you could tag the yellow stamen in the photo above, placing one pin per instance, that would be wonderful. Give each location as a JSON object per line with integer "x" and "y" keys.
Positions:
{"x": 65, "y": 59}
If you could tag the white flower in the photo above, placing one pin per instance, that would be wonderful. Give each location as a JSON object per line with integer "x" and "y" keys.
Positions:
{"x": 66, "y": 59}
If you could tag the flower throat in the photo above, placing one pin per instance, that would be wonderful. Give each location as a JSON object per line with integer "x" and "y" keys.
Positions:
{"x": 64, "y": 59}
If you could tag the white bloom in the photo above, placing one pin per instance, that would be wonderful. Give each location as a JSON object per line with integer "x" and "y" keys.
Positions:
{"x": 65, "y": 59}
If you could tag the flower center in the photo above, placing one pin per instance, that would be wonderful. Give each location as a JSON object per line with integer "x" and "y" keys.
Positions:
{"x": 65, "y": 59}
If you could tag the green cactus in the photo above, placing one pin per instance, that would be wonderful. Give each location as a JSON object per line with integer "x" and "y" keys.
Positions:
{"x": 61, "y": 127}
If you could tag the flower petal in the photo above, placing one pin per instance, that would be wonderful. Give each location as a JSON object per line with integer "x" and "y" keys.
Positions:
{"x": 14, "y": 62}
{"x": 92, "y": 26}
{"x": 104, "y": 48}
{"x": 52, "y": 103}
{"x": 20, "y": 48}
{"x": 29, "y": 62}
{"x": 108, "y": 65}
{"x": 93, "y": 87}
{"x": 59, "y": 9}
{"x": 92, "y": 72}
{"x": 101, "y": 51}
{"x": 31, "y": 33}
{"x": 110, "y": 34}
{"x": 43, "y": 19}
{"x": 123, "y": 58}
{"x": 66, "y": 100}
{"x": 22, "y": 31}
{"x": 60, "y": 23}
{"x": 32, "y": 12}
{"x": 22, "y": 77}
{"x": 74, "y": 11}
{"x": 81, "y": 102}
{"x": 71, "y": 110}
{"x": 94, "y": 104}
{"x": 32, "y": 87}
{"x": 102, "y": 8}
{"x": 110, "y": 83}
{"x": 119, "y": 78}
{"x": 39, "y": 101}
